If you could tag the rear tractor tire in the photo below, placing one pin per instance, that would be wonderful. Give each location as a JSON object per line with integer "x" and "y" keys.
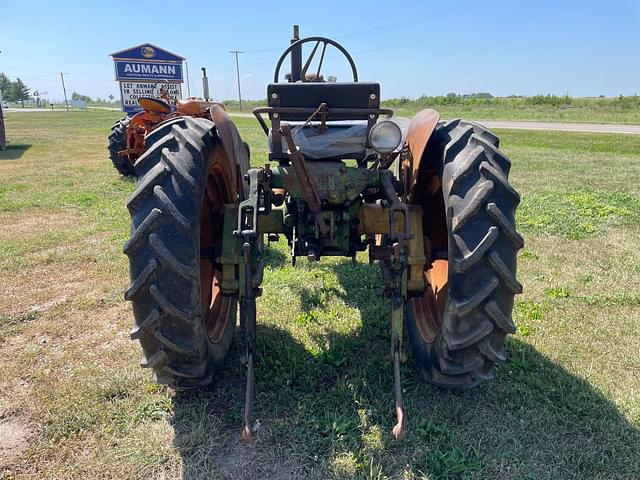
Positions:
{"x": 118, "y": 142}
{"x": 183, "y": 322}
{"x": 458, "y": 327}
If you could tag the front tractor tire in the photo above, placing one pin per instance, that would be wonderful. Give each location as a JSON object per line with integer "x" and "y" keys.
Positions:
{"x": 118, "y": 142}
{"x": 183, "y": 322}
{"x": 458, "y": 327}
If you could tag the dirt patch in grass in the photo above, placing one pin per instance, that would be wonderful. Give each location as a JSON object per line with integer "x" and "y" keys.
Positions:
{"x": 40, "y": 289}
{"x": 230, "y": 458}
{"x": 30, "y": 223}
{"x": 14, "y": 440}
{"x": 49, "y": 274}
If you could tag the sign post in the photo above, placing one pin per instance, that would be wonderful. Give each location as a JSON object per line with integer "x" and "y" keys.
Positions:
{"x": 148, "y": 71}
{"x": 3, "y": 138}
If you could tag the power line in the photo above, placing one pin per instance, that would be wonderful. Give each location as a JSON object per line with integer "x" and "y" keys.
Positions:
{"x": 376, "y": 29}
{"x": 384, "y": 28}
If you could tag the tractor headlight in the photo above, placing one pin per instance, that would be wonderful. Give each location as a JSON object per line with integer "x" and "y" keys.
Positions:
{"x": 385, "y": 136}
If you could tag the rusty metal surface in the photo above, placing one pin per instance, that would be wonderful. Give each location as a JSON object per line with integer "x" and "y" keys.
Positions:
{"x": 399, "y": 430}
{"x": 233, "y": 146}
{"x": 420, "y": 129}
{"x": 309, "y": 190}
{"x": 157, "y": 111}
{"x": 195, "y": 108}
{"x": 154, "y": 105}
{"x": 429, "y": 308}
{"x": 247, "y": 429}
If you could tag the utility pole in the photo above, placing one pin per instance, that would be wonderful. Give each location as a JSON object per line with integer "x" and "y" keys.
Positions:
{"x": 64, "y": 89}
{"x": 238, "y": 74}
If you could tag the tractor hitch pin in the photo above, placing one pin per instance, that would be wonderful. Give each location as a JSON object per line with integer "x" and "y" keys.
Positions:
{"x": 400, "y": 428}
{"x": 247, "y": 432}
{"x": 397, "y": 321}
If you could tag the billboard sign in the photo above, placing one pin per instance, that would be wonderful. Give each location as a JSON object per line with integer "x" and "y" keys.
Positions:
{"x": 131, "y": 91}
{"x": 132, "y": 70}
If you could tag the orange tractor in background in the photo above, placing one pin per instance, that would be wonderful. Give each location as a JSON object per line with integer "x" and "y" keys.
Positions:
{"x": 127, "y": 138}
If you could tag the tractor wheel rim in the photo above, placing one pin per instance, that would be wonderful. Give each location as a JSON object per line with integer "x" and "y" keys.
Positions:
{"x": 215, "y": 306}
{"x": 428, "y": 310}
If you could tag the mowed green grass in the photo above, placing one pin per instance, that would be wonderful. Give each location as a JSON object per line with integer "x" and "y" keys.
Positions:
{"x": 565, "y": 405}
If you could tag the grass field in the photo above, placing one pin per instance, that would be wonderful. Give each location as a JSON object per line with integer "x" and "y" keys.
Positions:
{"x": 549, "y": 108}
{"x": 75, "y": 404}
{"x": 542, "y": 113}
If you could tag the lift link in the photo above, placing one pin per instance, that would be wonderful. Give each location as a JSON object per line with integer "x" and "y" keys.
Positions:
{"x": 394, "y": 273}
{"x": 258, "y": 203}
{"x": 248, "y": 320}
{"x": 394, "y": 270}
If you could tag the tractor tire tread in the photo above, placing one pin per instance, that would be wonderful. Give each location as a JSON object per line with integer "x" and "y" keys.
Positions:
{"x": 117, "y": 141}
{"x": 483, "y": 244}
{"x": 164, "y": 257}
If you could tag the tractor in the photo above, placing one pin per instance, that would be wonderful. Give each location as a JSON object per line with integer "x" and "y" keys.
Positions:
{"x": 429, "y": 200}
{"x": 126, "y": 141}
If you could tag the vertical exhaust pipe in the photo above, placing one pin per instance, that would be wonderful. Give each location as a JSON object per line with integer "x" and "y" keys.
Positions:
{"x": 296, "y": 56}
{"x": 205, "y": 84}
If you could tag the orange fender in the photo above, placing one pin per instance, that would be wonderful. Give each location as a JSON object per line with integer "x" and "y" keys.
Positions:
{"x": 195, "y": 108}
{"x": 234, "y": 147}
{"x": 421, "y": 127}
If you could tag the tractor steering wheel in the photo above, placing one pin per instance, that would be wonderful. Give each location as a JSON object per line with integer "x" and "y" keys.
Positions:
{"x": 319, "y": 40}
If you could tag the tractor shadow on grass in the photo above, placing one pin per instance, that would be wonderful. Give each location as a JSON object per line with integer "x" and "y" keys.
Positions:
{"x": 536, "y": 419}
{"x": 329, "y": 414}
{"x": 273, "y": 257}
{"x": 208, "y": 423}
{"x": 14, "y": 152}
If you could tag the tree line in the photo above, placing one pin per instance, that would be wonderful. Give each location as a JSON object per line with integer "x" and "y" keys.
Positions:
{"x": 14, "y": 91}
{"x": 18, "y": 91}
{"x": 110, "y": 100}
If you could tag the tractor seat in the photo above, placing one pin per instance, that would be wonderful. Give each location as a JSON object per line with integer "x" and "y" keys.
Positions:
{"x": 340, "y": 140}
{"x": 346, "y": 102}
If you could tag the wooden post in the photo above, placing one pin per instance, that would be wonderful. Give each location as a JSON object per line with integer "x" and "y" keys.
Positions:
{"x": 64, "y": 89}
{"x": 3, "y": 138}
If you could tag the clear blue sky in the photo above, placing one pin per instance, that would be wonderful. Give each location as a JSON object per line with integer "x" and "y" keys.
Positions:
{"x": 411, "y": 47}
